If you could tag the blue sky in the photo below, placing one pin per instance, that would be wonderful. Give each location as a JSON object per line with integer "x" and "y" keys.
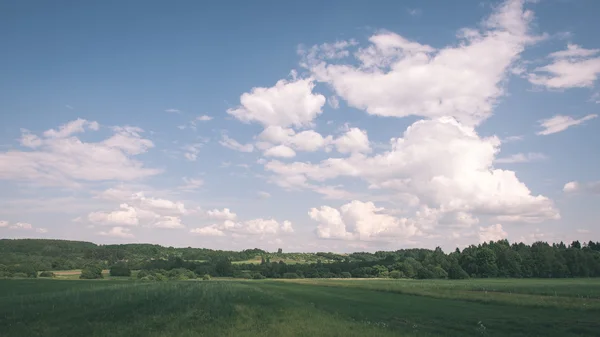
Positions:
{"x": 342, "y": 126}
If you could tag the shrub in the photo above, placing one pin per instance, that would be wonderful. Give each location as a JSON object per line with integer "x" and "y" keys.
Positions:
{"x": 19, "y": 275}
{"x": 47, "y": 274}
{"x": 258, "y": 276}
{"x": 120, "y": 269}
{"x": 396, "y": 274}
{"x": 181, "y": 274}
{"x": 345, "y": 274}
{"x": 290, "y": 275}
{"x": 206, "y": 277}
{"x": 91, "y": 272}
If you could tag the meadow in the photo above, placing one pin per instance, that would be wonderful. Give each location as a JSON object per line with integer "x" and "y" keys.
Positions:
{"x": 315, "y": 307}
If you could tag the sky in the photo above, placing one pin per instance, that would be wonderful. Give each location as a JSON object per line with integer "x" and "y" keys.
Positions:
{"x": 308, "y": 126}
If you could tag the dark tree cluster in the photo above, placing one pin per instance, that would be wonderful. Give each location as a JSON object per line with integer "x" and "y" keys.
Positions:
{"x": 23, "y": 258}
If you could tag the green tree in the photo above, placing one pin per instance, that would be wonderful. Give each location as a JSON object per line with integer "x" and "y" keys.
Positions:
{"x": 120, "y": 269}
{"x": 91, "y": 272}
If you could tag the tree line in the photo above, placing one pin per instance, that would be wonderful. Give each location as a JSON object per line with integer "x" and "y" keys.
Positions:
{"x": 25, "y": 258}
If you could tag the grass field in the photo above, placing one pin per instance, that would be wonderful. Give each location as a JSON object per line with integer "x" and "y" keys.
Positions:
{"x": 300, "y": 308}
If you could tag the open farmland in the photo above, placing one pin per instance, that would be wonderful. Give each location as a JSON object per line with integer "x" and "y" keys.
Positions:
{"x": 300, "y": 308}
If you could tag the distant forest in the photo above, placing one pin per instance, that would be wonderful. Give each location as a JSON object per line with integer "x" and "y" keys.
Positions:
{"x": 27, "y": 257}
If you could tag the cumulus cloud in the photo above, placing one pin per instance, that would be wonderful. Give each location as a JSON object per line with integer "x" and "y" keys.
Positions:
{"x": 308, "y": 140}
{"x": 359, "y": 220}
{"x": 353, "y": 141}
{"x": 288, "y": 103}
{"x": 138, "y": 209}
{"x": 441, "y": 163}
{"x": 333, "y": 102}
{"x": 21, "y": 225}
{"x": 521, "y": 158}
{"x": 280, "y": 151}
{"x": 260, "y": 226}
{"x": 207, "y": 231}
{"x": 399, "y": 77}
{"x": 233, "y": 144}
{"x": 592, "y": 187}
{"x": 574, "y": 67}
{"x": 224, "y": 214}
{"x": 125, "y": 215}
{"x": 70, "y": 128}
{"x": 491, "y": 233}
{"x": 169, "y": 222}
{"x": 117, "y": 232}
{"x": 560, "y": 123}
{"x": 60, "y": 158}
{"x": 204, "y": 118}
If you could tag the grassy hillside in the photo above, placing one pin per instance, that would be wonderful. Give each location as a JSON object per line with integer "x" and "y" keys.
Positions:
{"x": 299, "y": 308}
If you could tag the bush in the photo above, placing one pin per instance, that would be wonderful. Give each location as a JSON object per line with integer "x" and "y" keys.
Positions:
{"x": 345, "y": 274}
{"x": 290, "y": 275}
{"x": 206, "y": 277}
{"x": 47, "y": 274}
{"x": 19, "y": 275}
{"x": 120, "y": 269}
{"x": 181, "y": 274}
{"x": 91, "y": 272}
{"x": 258, "y": 276}
{"x": 396, "y": 274}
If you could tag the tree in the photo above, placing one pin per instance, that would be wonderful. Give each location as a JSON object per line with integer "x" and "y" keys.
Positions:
{"x": 396, "y": 274}
{"x": 47, "y": 274}
{"x": 91, "y": 272}
{"x": 279, "y": 251}
{"x": 120, "y": 269}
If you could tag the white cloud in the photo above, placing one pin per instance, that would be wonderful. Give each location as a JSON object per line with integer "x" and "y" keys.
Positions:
{"x": 70, "y": 128}
{"x": 41, "y": 230}
{"x": 4, "y": 224}
{"x": 172, "y": 110}
{"x": 204, "y": 118}
{"x": 414, "y": 11}
{"x": 359, "y": 220}
{"x": 126, "y": 215}
{"x": 258, "y": 226}
{"x": 280, "y": 151}
{"x": 129, "y": 140}
{"x": 234, "y": 145}
{"x": 353, "y": 141}
{"x": 169, "y": 222}
{"x": 21, "y": 226}
{"x": 191, "y": 184}
{"x": 491, "y": 233}
{"x": 333, "y": 102}
{"x": 261, "y": 194}
{"x": 207, "y": 231}
{"x": 66, "y": 161}
{"x": 191, "y": 151}
{"x": 583, "y": 231}
{"x": 225, "y": 214}
{"x": 440, "y": 163}
{"x": 398, "y": 77}
{"x": 521, "y": 158}
{"x": 592, "y": 187}
{"x": 308, "y": 140}
{"x": 571, "y": 68}
{"x": 285, "y": 104}
{"x": 118, "y": 232}
{"x": 560, "y": 123}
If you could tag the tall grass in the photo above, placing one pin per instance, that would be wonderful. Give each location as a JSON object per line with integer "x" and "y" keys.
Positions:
{"x": 271, "y": 308}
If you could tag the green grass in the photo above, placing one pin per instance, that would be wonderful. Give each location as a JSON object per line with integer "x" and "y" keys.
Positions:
{"x": 299, "y": 308}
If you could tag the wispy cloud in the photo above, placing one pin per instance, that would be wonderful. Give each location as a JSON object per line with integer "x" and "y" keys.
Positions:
{"x": 172, "y": 111}
{"x": 522, "y": 158}
{"x": 560, "y": 123}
